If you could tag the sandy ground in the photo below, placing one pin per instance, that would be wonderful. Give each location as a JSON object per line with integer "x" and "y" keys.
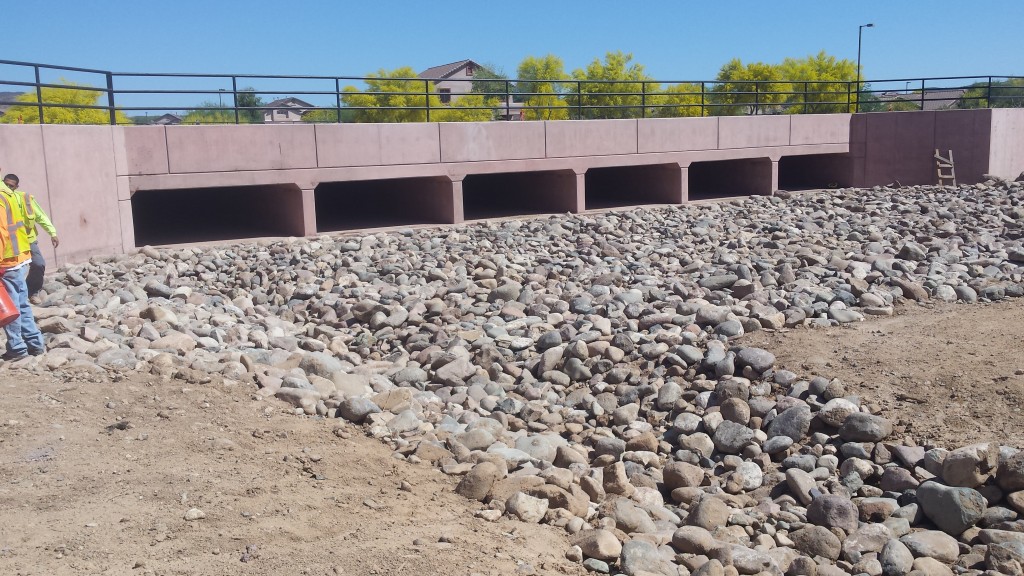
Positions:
{"x": 946, "y": 374}
{"x": 80, "y": 496}
{"x": 96, "y": 474}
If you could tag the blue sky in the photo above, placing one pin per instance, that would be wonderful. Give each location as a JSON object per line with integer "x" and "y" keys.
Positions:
{"x": 675, "y": 40}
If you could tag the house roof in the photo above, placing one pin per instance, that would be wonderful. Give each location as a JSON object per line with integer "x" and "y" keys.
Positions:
{"x": 7, "y": 97}
{"x": 445, "y": 70}
{"x": 289, "y": 102}
{"x": 934, "y": 98}
{"x": 168, "y": 119}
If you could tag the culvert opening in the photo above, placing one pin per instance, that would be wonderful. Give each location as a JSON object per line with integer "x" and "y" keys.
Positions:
{"x": 381, "y": 203}
{"x": 518, "y": 193}
{"x": 814, "y": 171}
{"x": 633, "y": 185}
{"x": 729, "y": 178}
{"x": 211, "y": 214}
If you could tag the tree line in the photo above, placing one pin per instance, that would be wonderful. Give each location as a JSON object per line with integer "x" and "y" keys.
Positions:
{"x": 613, "y": 87}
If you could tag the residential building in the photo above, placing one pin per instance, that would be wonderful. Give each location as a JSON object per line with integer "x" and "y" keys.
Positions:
{"x": 167, "y": 120}
{"x": 934, "y": 98}
{"x": 452, "y": 80}
{"x": 289, "y": 109}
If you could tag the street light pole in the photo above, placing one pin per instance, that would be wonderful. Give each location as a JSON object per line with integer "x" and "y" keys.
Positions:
{"x": 860, "y": 33}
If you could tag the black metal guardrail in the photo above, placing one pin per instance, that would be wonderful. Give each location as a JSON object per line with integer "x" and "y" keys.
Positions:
{"x": 119, "y": 92}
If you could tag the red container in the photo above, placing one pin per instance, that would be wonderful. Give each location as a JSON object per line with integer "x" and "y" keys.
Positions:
{"x": 8, "y": 311}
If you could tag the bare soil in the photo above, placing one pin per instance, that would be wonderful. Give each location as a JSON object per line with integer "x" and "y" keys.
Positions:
{"x": 945, "y": 374}
{"x": 96, "y": 473}
{"x": 282, "y": 494}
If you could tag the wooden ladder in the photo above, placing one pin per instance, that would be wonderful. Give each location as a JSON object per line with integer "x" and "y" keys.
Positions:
{"x": 945, "y": 164}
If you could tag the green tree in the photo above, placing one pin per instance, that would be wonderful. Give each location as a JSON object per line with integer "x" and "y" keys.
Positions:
{"x": 490, "y": 82}
{"x": 819, "y": 84}
{"x": 540, "y": 85}
{"x": 250, "y": 104}
{"x": 72, "y": 94}
{"x": 753, "y": 88}
{"x": 616, "y": 83}
{"x": 677, "y": 101}
{"x": 250, "y": 110}
{"x": 999, "y": 94}
{"x": 207, "y": 113}
{"x": 328, "y": 115}
{"x": 391, "y": 96}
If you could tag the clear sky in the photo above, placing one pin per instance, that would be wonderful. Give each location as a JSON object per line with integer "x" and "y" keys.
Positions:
{"x": 674, "y": 40}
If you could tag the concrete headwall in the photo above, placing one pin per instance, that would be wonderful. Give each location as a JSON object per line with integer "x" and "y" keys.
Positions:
{"x": 1006, "y": 153}
{"x": 86, "y": 176}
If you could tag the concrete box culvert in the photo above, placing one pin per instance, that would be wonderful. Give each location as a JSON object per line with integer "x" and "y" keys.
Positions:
{"x": 730, "y": 178}
{"x": 180, "y": 216}
{"x": 358, "y": 204}
{"x": 519, "y": 193}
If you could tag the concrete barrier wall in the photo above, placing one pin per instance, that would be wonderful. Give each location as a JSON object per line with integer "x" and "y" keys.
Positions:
{"x": 85, "y": 176}
{"x": 1006, "y": 154}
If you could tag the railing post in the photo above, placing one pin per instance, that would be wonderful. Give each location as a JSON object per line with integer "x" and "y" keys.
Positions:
{"x": 849, "y": 97}
{"x": 643, "y": 99}
{"x": 39, "y": 95}
{"x": 337, "y": 93}
{"x": 757, "y": 96}
{"x": 579, "y": 100}
{"x": 110, "y": 99}
{"x": 426, "y": 95}
{"x": 922, "y": 93}
{"x": 988, "y": 94}
{"x": 234, "y": 96}
{"x": 702, "y": 99}
{"x": 508, "y": 103}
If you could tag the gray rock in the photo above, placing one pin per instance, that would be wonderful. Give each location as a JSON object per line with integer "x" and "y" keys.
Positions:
{"x": 833, "y": 511}
{"x": 641, "y": 558}
{"x": 731, "y": 437}
{"x": 526, "y": 508}
{"x": 320, "y": 364}
{"x": 792, "y": 423}
{"x": 405, "y": 421}
{"x": 970, "y": 466}
{"x": 599, "y": 544}
{"x": 864, "y": 427}
{"x": 933, "y": 544}
{"x": 476, "y": 485}
{"x": 817, "y": 541}
{"x": 357, "y": 409}
{"x": 896, "y": 559}
{"x": 952, "y": 509}
{"x": 708, "y": 514}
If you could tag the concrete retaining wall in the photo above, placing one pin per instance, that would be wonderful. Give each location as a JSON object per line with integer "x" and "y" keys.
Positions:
{"x": 86, "y": 176}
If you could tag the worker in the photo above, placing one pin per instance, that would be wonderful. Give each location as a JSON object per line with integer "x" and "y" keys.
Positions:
{"x": 23, "y": 335}
{"x": 34, "y": 216}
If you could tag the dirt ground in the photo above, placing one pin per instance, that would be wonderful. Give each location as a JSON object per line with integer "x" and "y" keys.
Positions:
{"x": 282, "y": 494}
{"x": 945, "y": 374}
{"x": 286, "y": 495}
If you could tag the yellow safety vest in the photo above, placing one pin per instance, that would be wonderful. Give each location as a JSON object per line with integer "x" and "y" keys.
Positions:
{"x": 30, "y": 216}
{"x": 19, "y": 248}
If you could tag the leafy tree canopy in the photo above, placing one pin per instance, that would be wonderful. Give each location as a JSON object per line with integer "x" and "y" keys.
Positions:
{"x": 751, "y": 88}
{"x": 820, "y": 84}
{"x": 390, "y": 98}
{"x": 677, "y": 101}
{"x": 616, "y": 82}
{"x": 541, "y": 80}
{"x": 74, "y": 94}
{"x": 250, "y": 110}
{"x": 1000, "y": 94}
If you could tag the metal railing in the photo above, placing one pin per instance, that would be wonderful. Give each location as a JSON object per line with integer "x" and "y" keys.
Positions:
{"x": 337, "y": 99}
